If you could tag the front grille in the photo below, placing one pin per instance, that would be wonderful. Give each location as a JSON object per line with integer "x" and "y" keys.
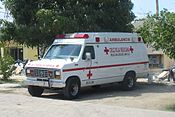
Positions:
{"x": 41, "y": 73}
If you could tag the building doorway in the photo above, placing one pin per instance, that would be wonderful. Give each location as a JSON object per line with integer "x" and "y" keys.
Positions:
{"x": 16, "y": 53}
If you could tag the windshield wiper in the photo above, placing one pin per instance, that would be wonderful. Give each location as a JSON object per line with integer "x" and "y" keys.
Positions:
{"x": 58, "y": 57}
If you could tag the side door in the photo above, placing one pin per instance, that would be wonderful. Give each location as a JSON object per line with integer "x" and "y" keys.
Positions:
{"x": 110, "y": 63}
{"x": 91, "y": 65}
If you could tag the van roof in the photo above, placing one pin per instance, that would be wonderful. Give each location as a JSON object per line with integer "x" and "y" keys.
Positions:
{"x": 101, "y": 37}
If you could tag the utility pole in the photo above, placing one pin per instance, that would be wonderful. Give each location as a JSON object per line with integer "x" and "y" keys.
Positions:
{"x": 157, "y": 8}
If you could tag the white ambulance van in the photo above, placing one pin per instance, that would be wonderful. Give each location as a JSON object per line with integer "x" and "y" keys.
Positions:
{"x": 88, "y": 59}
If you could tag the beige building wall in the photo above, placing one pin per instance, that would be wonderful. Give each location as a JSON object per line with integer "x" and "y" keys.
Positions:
{"x": 168, "y": 62}
{"x": 165, "y": 60}
{"x": 30, "y": 53}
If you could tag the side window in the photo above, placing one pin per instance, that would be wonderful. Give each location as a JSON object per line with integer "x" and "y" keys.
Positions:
{"x": 89, "y": 49}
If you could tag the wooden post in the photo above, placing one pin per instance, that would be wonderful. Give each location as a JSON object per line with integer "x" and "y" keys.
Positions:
{"x": 157, "y": 8}
{"x": 2, "y": 52}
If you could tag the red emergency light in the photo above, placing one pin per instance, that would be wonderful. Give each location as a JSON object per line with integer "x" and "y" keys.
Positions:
{"x": 97, "y": 39}
{"x": 81, "y": 36}
{"x": 60, "y": 36}
{"x": 139, "y": 39}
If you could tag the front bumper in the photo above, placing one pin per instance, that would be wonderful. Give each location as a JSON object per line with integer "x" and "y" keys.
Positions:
{"x": 50, "y": 83}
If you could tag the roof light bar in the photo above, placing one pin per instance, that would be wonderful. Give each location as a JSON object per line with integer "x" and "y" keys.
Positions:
{"x": 60, "y": 36}
{"x": 81, "y": 36}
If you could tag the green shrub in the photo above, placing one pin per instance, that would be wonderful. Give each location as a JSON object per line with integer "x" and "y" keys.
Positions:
{"x": 5, "y": 66}
{"x": 171, "y": 107}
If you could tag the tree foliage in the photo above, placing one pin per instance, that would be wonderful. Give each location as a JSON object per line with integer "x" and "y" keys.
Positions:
{"x": 5, "y": 66}
{"x": 159, "y": 31}
{"x": 36, "y": 22}
{"x": 5, "y": 63}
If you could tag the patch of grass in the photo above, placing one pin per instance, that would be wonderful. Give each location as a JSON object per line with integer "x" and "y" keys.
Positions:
{"x": 6, "y": 91}
{"x": 8, "y": 81}
{"x": 170, "y": 107}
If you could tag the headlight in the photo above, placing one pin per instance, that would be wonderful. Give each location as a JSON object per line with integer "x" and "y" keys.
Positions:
{"x": 28, "y": 71}
{"x": 57, "y": 74}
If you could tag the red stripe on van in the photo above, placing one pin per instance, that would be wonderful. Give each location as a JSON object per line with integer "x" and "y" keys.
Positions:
{"x": 105, "y": 66}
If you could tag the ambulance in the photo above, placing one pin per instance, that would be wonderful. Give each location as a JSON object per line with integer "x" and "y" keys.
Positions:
{"x": 86, "y": 59}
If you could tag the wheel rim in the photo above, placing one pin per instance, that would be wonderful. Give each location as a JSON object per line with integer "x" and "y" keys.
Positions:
{"x": 130, "y": 82}
{"x": 74, "y": 89}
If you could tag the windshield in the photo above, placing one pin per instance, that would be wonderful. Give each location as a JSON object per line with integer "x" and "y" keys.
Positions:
{"x": 63, "y": 51}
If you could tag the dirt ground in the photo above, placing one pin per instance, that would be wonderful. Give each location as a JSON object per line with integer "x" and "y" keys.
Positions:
{"x": 155, "y": 96}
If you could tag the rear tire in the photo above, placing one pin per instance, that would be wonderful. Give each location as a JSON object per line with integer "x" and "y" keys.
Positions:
{"x": 35, "y": 91}
{"x": 129, "y": 82}
{"x": 72, "y": 89}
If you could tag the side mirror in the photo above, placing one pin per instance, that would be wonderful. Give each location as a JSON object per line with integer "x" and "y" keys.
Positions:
{"x": 88, "y": 56}
{"x": 39, "y": 57}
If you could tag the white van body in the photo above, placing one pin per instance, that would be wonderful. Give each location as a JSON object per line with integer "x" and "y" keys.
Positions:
{"x": 90, "y": 58}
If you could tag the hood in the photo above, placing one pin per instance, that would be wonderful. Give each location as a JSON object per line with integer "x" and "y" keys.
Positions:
{"x": 48, "y": 63}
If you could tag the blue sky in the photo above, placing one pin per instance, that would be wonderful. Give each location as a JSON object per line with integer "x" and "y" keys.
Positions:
{"x": 140, "y": 9}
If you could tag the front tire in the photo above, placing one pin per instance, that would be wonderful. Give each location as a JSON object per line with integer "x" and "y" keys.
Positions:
{"x": 129, "y": 82}
{"x": 35, "y": 91}
{"x": 72, "y": 89}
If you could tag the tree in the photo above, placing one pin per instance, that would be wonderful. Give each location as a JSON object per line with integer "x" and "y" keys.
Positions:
{"x": 36, "y": 22}
{"x": 159, "y": 32}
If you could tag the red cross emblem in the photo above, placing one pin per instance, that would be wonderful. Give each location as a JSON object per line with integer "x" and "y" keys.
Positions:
{"x": 89, "y": 75}
{"x": 131, "y": 49}
{"x": 106, "y": 50}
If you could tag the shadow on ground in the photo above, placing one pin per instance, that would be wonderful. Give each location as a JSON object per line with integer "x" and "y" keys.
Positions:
{"x": 114, "y": 90}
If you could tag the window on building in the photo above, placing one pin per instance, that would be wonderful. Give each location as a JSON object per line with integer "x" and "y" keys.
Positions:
{"x": 155, "y": 61}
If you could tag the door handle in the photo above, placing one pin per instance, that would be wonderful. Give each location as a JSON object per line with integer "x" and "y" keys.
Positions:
{"x": 76, "y": 64}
